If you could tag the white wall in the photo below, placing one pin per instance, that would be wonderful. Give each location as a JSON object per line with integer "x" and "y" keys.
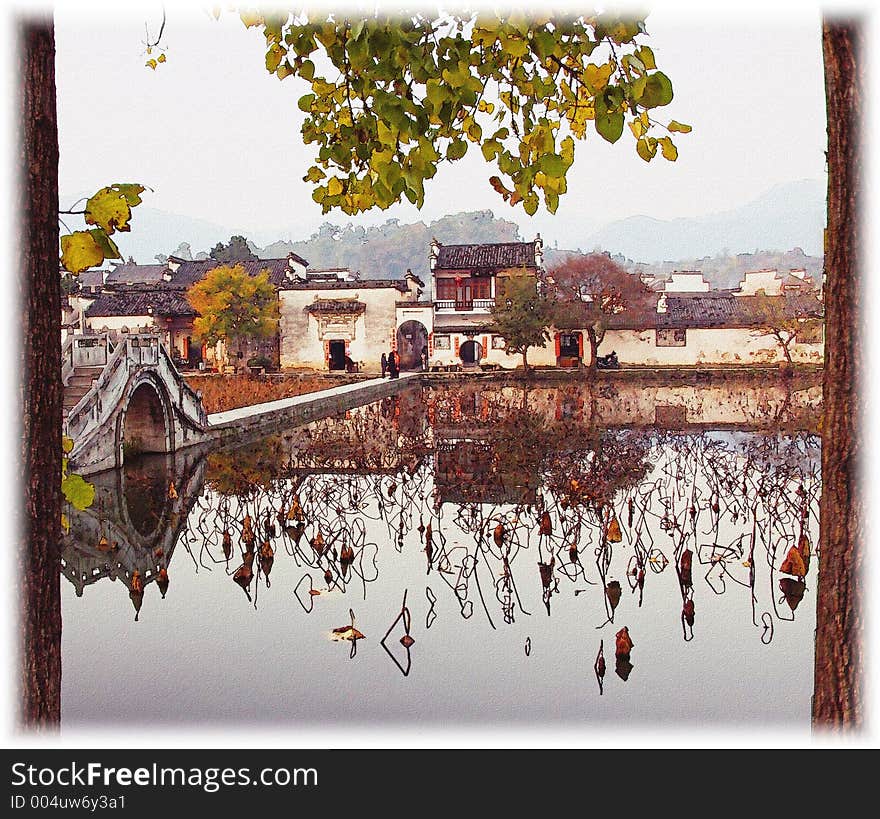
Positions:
{"x": 714, "y": 346}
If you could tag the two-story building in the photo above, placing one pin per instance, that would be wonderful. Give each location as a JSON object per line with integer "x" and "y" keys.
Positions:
{"x": 464, "y": 280}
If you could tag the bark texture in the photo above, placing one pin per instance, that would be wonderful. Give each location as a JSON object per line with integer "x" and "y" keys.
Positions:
{"x": 837, "y": 694}
{"x": 41, "y": 398}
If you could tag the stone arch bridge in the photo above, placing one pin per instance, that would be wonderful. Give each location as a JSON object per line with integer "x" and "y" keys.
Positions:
{"x": 125, "y": 396}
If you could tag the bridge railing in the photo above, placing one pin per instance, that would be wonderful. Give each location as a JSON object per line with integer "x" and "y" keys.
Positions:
{"x": 189, "y": 400}
{"x": 106, "y": 392}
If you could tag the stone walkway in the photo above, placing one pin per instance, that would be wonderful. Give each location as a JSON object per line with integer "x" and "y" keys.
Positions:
{"x": 271, "y": 407}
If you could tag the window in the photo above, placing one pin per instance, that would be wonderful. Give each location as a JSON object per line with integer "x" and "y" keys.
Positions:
{"x": 441, "y": 342}
{"x": 671, "y": 338}
{"x": 498, "y": 343}
{"x": 809, "y": 332}
{"x": 445, "y": 289}
{"x": 464, "y": 289}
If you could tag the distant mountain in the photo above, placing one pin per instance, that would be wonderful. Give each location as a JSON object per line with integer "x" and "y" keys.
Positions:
{"x": 787, "y": 216}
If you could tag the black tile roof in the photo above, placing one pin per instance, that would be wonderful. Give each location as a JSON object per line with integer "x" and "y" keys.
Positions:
{"x": 486, "y": 256}
{"x": 136, "y": 274}
{"x": 731, "y": 311}
{"x": 350, "y": 284}
{"x": 708, "y": 310}
{"x": 191, "y": 271}
{"x": 138, "y": 302}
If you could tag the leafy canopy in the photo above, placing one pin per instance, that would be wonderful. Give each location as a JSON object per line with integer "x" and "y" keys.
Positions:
{"x": 391, "y": 99}
{"x": 236, "y": 251}
{"x": 233, "y": 305}
{"x": 522, "y": 313}
{"x": 587, "y": 288}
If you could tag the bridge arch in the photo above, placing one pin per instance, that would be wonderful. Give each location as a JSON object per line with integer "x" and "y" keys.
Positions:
{"x": 146, "y": 423}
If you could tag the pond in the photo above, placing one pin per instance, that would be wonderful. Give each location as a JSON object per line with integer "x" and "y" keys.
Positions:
{"x": 578, "y": 555}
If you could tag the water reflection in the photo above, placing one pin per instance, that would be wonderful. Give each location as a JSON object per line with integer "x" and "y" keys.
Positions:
{"x": 510, "y": 500}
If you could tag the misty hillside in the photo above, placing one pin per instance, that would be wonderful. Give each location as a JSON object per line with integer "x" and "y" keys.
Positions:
{"x": 787, "y": 216}
{"x": 389, "y": 250}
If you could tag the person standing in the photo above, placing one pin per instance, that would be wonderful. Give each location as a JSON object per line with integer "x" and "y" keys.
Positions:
{"x": 393, "y": 368}
{"x": 424, "y": 357}
{"x": 384, "y": 362}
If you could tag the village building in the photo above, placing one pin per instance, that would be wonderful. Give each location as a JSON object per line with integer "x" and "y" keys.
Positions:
{"x": 335, "y": 320}
{"x": 152, "y": 298}
{"x": 464, "y": 283}
{"x": 717, "y": 328}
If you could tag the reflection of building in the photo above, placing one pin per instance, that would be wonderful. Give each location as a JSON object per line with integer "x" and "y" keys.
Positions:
{"x": 473, "y": 462}
{"x": 134, "y": 523}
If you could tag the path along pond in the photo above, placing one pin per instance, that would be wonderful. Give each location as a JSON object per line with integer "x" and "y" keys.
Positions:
{"x": 587, "y": 555}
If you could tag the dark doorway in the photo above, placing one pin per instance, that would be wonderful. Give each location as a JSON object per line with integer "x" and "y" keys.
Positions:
{"x": 337, "y": 355}
{"x": 193, "y": 353}
{"x": 412, "y": 341}
{"x": 470, "y": 353}
{"x": 570, "y": 350}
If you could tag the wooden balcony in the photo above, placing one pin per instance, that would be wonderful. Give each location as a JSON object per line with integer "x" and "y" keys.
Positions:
{"x": 475, "y": 305}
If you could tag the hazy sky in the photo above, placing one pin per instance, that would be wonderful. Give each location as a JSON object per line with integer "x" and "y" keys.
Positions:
{"x": 217, "y": 137}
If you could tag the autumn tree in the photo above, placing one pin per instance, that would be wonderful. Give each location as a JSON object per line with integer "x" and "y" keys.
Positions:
{"x": 234, "y": 306}
{"x": 587, "y": 290}
{"x": 237, "y": 250}
{"x": 782, "y": 318}
{"x": 521, "y": 314}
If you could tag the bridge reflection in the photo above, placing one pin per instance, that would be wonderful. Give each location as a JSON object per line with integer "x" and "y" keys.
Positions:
{"x": 131, "y": 530}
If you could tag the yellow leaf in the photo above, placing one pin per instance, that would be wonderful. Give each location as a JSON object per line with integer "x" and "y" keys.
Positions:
{"x": 79, "y": 251}
{"x": 161, "y": 58}
{"x": 334, "y": 186}
{"x": 669, "y": 150}
{"x": 151, "y": 64}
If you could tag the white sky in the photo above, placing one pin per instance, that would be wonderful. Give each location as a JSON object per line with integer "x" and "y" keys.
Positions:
{"x": 217, "y": 137}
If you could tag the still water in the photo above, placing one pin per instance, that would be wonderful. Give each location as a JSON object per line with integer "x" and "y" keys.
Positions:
{"x": 573, "y": 555}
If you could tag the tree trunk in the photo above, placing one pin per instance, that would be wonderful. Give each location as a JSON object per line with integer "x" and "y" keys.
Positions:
{"x": 837, "y": 694}
{"x": 525, "y": 360}
{"x": 594, "y": 347}
{"x": 40, "y": 294}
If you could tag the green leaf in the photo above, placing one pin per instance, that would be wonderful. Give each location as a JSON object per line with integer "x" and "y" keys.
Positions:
{"x": 680, "y": 127}
{"x": 107, "y": 245}
{"x": 108, "y": 209}
{"x": 609, "y": 126}
{"x": 305, "y": 102}
{"x": 79, "y": 251}
{"x": 456, "y": 149}
{"x": 307, "y": 70}
{"x": 646, "y": 147}
{"x": 77, "y": 492}
{"x": 130, "y": 191}
{"x": 273, "y": 57}
{"x": 657, "y": 91}
{"x": 647, "y": 57}
{"x": 66, "y": 444}
{"x": 553, "y": 165}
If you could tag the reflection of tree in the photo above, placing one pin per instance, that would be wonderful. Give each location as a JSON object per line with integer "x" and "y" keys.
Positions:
{"x": 537, "y": 502}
